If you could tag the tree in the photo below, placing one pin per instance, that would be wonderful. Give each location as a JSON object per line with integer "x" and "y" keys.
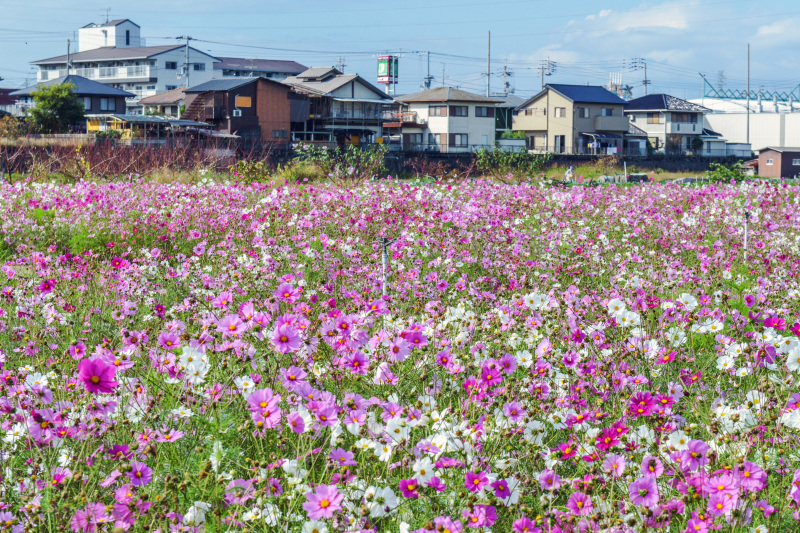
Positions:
{"x": 57, "y": 108}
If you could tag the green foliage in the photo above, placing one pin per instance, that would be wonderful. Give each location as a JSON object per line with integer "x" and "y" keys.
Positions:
{"x": 510, "y": 165}
{"x": 251, "y": 171}
{"x": 352, "y": 163}
{"x": 697, "y": 144}
{"x": 13, "y": 128}
{"x": 109, "y": 135}
{"x": 720, "y": 172}
{"x": 57, "y": 108}
{"x": 513, "y": 135}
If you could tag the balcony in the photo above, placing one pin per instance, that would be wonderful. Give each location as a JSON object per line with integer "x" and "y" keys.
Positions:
{"x": 684, "y": 128}
{"x": 602, "y": 123}
{"x": 408, "y": 119}
{"x": 104, "y": 74}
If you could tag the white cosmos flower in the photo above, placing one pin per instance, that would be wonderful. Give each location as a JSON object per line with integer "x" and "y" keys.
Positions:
{"x": 245, "y": 384}
{"x": 424, "y": 469}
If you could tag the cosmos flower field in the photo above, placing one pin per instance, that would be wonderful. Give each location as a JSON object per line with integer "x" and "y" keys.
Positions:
{"x": 226, "y": 357}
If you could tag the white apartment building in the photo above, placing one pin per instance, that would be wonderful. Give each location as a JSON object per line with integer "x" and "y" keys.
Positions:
{"x": 114, "y": 53}
{"x": 446, "y": 120}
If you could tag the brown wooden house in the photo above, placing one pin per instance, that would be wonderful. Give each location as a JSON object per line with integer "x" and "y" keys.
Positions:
{"x": 251, "y": 108}
{"x": 779, "y": 162}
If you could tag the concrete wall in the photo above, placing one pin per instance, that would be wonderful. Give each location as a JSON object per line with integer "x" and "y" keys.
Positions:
{"x": 101, "y": 36}
{"x": 766, "y": 129}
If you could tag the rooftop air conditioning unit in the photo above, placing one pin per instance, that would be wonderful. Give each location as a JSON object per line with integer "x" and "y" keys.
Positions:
{"x": 237, "y": 112}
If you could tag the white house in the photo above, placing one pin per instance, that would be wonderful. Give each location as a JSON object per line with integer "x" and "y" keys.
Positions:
{"x": 114, "y": 54}
{"x": 446, "y": 120}
{"x": 671, "y": 124}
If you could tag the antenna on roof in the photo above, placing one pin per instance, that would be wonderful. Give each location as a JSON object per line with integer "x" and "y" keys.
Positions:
{"x": 108, "y": 10}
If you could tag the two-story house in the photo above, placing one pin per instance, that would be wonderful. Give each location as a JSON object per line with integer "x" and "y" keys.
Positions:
{"x": 671, "y": 124}
{"x": 251, "y": 108}
{"x": 447, "y": 120}
{"x": 330, "y": 106}
{"x": 114, "y": 53}
{"x": 97, "y": 98}
{"x": 575, "y": 119}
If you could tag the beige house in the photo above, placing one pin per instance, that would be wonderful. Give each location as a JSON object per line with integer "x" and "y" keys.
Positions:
{"x": 575, "y": 119}
{"x": 445, "y": 120}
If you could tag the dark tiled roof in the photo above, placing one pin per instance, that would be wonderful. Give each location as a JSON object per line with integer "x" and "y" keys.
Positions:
{"x": 587, "y": 94}
{"x": 509, "y": 101}
{"x": 635, "y": 131}
{"x": 321, "y": 81}
{"x": 663, "y": 102}
{"x": 83, "y": 87}
{"x": 781, "y": 149}
{"x": 260, "y": 65}
{"x": 446, "y": 94}
{"x": 115, "y": 22}
{"x": 110, "y": 52}
{"x": 224, "y": 84}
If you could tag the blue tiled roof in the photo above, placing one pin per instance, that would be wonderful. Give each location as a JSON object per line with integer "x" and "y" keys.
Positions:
{"x": 83, "y": 87}
{"x": 224, "y": 84}
{"x": 663, "y": 102}
{"x": 588, "y": 94}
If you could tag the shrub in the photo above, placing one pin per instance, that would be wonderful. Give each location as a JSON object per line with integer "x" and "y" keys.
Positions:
{"x": 721, "y": 172}
{"x": 510, "y": 165}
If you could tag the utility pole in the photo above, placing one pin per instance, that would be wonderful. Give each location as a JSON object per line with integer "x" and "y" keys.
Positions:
{"x": 426, "y": 81}
{"x": 748, "y": 93}
{"x": 547, "y": 68}
{"x": 506, "y": 85}
{"x": 186, "y": 64}
{"x": 443, "y": 65}
{"x": 68, "y": 57}
{"x": 341, "y": 64}
{"x": 640, "y": 63}
{"x": 488, "y": 64}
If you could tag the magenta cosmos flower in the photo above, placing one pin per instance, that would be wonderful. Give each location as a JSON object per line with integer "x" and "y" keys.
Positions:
{"x": 475, "y": 482}
{"x": 323, "y": 503}
{"x": 644, "y": 491}
{"x": 97, "y": 376}
{"x": 140, "y": 474}
{"x": 286, "y": 339}
{"x": 409, "y": 488}
{"x": 580, "y": 504}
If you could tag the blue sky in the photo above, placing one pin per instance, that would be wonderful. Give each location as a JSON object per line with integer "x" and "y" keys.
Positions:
{"x": 587, "y": 40}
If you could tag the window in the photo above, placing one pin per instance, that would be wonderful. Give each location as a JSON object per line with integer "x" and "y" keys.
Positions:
{"x": 482, "y": 111}
{"x": 607, "y": 112}
{"x": 796, "y": 162}
{"x": 87, "y": 103}
{"x": 415, "y": 138}
{"x": 685, "y": 118}
{"x": 434, "y": 138}
{"x": 200, "y": 66}
{"x": 171, "y": 87}
{"x": 437, "y": 111}
{"x": 171, "y": 65}
{"x": 459, "y": 111}
{"x": 243, "y": 101}
{"x": 151, "y": 87}
{"x": 280, "y": 134}
{"x": 460, "y": 139}
{"x": 583, "y": 112}
{"x": 127, "y": 37}
{"x": 108, "y": 104}
{"x": 654, "y": 118}
{"x": 561, "y": 112}
{"x": 770, "y": 162}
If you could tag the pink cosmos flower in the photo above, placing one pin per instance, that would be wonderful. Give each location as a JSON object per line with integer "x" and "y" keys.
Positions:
{"x": 261, "y": 399}
{"x": 77, "y": 350}
{"x": 549, "y": 480}
{"x": 231, "y": 325}
{"x": 720, "y": 504}
{"x": 140, "y": 475}
{"x": 409, "y": 488}
{"x": 644, "y": 492}
{"x": 295, "y": 422}
{"x": 480, "y": 516}
{"x": 286, "y": 339}
{"x": 323, "y": 503}
{"x": 169, "y": 340}
{"x": 97, "y": 376}
{"x": 341, "y": 457}
{"x": 580, "y": 504}
{"x": 475, "y": 482}
{"x": 614, "y": 464}
{"x": 525, "y": 525}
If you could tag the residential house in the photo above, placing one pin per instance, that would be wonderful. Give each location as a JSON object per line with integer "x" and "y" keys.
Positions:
{"x": 577, "y": 119}
{"x": 329, "y": 106}
{"x": 779, "y": 162}
{"x": 168, "y": 103}
{"x": 235, "y": 67}
{"x": 114, "y": 53}
{"x": 97, "y": 98}
{"x": 251, "y": 108}
{"x": 8, "y": 103}
{"x": 671, "y": 124}
{"x": 447, "y": 120}
{"x": 504, "y": 113}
